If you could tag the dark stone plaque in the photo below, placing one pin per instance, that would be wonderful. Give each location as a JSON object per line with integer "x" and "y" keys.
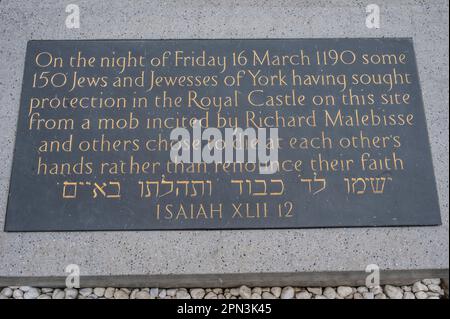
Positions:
{"x": 94, "y": 131}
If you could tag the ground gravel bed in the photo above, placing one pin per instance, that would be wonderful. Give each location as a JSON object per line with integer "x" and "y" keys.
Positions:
{"x": 424, "y": 289}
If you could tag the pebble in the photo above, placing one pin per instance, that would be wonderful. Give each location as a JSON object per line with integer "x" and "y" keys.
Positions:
{"x": 31, "y": 293}
{"x": 127, "y": 291}
{"x": 181, "y": 294}
{"x": 7, "y": 292}
{"x": 46, "y": 290}
{"x": 287, "y": 293}
{"x": 409, "y": 295}
{"x": 121, "y": 294}
{"x": 171, "y": 292}
{"x": 245, "y": 292}
{"x": 234, "y": 292}
{"x": 162, "y": 294}
{"x": 315, "y": 291}
{"x": 276, "y": 291}
{"x": 435, "y": 281}
{"x": 85, "y": 292}
{"x": 362, "y": 289}
{"x": 18, "y": 294}
{"x": 44, "y": 297}
{"x": 257, "y": 290}
{"x": 344, "y": 291}
{"x": 197, "y": 293}
{"x": 142, "y": 295}
{"x": 303, "y": 295}
{"x": 376, "y": 290}
{"x": 71, "y": 293}
{"x": 255, "y": 296}
{"x": 418, "y": 286}
{"x": 421, "y": 295}
{"x": 109, "y": 292}
{"x": 393, "y": 292}
{"x": 58, "y": 294}
{"x": 435, "y": 288}
{"x": 99, "y": 292}
{"x": 134, "y": 292}
{"x": 330, "y": 293}
{"x": 154, "y": 292}
{"x": 406, "y": 288}
{"x": 211, "y": 295}
{"x": 268, "y": 295}
{"x": 368, "y": 295}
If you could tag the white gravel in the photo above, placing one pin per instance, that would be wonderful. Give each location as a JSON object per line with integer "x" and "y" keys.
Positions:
{"x": 424, "y": 289}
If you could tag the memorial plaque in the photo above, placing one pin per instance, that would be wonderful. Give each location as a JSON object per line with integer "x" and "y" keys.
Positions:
{"x": 97, "y": 122}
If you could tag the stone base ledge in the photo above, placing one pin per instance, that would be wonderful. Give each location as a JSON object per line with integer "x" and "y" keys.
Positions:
{"x": 305, "y": 279}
